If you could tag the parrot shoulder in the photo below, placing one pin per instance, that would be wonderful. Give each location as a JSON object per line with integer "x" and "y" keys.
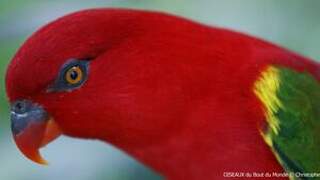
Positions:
{"x": 291, "y": 102}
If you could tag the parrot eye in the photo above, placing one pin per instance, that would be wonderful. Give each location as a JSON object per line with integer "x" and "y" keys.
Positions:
{"x": 71, "y": 76}
{"x": 74, "y": 75}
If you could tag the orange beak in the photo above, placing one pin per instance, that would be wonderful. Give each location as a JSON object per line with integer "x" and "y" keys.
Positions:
{"x": 32, "y": 129}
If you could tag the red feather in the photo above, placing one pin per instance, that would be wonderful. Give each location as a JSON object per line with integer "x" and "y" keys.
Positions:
{"x": 175, "y": 94}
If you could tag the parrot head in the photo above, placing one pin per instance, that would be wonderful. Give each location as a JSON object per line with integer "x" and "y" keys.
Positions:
{"x": 86, "y": 75}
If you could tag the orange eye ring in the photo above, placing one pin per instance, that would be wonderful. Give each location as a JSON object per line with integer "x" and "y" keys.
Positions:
{"x": 74, "y": 75}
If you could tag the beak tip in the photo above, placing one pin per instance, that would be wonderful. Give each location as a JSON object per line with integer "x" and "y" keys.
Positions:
{"x": 42, "y": 162}
{"x": 33, "y": 155}
{"x": 35, "y": 136}
{"x": 37, "y": 158}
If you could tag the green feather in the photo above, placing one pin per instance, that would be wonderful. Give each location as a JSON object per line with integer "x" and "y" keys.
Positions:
{"x": 295, "y": 141}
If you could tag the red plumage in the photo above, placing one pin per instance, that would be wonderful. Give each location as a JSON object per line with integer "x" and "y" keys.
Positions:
{"x": 174, "y": 94}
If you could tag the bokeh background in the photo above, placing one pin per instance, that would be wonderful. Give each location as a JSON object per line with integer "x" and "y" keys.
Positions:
{"x": 293, "y": 24}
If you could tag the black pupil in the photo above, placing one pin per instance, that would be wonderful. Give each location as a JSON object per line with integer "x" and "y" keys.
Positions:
{"x": 74, "y": 75}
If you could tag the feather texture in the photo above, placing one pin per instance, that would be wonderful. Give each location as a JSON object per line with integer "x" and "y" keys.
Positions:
{"x": 291, "y": 100}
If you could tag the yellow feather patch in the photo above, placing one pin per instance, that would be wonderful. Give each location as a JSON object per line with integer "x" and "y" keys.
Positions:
{"x": 266, "y": 89}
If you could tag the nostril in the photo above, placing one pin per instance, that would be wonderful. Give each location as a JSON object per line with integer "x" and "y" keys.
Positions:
{"x": 20, "y": 107}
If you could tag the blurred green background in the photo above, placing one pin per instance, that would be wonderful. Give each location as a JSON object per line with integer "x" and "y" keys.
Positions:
{"x": 293, "y": 24}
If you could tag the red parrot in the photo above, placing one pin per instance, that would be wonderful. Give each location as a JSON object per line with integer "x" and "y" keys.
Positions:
{"x": 188, "y": 100}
